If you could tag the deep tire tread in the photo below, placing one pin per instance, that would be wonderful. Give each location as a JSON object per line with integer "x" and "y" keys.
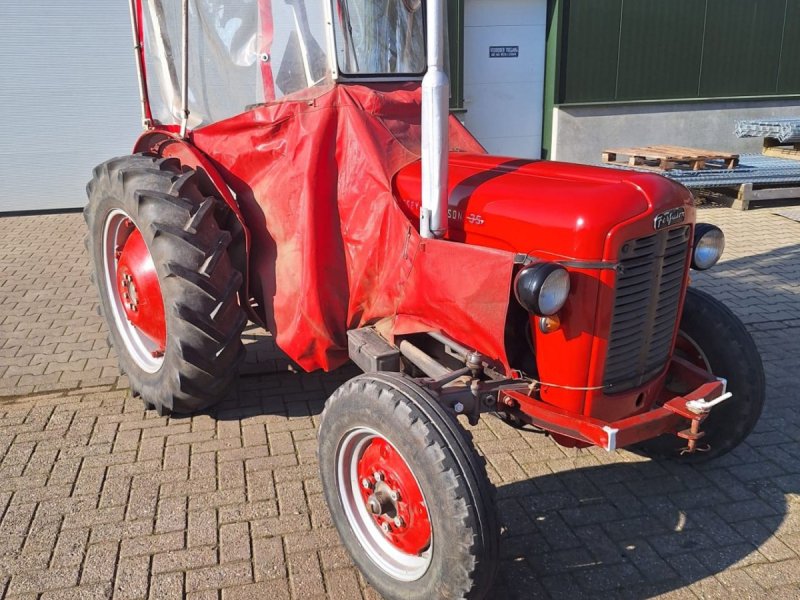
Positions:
{"x": 732, "y": 354}
{"x": 460, "y": 474}
{"x": 183, "y": 231}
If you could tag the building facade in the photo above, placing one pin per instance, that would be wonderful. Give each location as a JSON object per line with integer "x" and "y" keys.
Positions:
{"x": 560, "y": 79}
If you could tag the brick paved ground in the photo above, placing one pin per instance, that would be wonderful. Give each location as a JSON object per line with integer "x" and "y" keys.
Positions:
{"x": 99, "y": 498}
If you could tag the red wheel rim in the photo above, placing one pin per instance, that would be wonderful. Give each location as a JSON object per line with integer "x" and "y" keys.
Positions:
{"x": 139, "y": 290}
{"x": 393, "y": 497}
{"x": 133, "y": 292}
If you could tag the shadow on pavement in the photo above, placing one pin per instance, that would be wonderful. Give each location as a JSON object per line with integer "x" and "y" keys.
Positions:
{"x": 632, "y": 529}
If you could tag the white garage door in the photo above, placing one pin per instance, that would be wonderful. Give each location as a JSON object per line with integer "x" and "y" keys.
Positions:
{"x": 504, "y": 49}
{"x": 68, "y": 98}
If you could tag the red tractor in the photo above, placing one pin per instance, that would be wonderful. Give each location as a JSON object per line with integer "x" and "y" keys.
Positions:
{"x": 299, "y": 168}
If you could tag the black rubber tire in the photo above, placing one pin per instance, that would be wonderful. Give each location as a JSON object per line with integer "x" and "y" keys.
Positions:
{"x": 732, "y": 354}
{"x": 185, "y": 232}
{"x": 451, "y": 475}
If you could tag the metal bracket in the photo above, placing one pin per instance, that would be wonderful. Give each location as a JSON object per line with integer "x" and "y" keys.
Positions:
{"x": 703, "y": 406}
{"x": 611, "y": 445}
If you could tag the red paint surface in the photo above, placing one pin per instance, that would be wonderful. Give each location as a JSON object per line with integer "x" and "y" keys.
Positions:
{"x": 670, "y": 416}
{"x": 328, "y": 184}
{"x": 414, "y": 534}
{"x": 562, "y": 212}
{"x": 141, "y": 294}
{"x": 331, "y": 248}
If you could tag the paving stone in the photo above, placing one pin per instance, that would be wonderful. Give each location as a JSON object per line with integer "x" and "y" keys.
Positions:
{"x": 98, "y": 496}
{"x": 100, "y": 563}
{"x": 305, "y": 575}
{"x": 164, "y": 586}
{"x": 184, "y": 560}
{"x": 269, "y": 559}
{"x": 234, "y": 542}
{"x": 218, "y": 577}
{"x": 274, "y": 590}
{"x": 132, "y": 577}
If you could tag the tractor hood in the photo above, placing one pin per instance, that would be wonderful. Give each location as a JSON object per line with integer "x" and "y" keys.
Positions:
{"x": 541, "y": 207}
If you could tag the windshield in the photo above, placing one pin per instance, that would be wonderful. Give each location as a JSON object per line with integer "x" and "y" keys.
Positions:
{"x": 380, "y": 37}
{"x": 241, "y": 53}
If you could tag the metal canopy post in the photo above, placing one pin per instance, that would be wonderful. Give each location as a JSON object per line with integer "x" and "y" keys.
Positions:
{"x": 137, "y": 48}
{"x": 185, "y": 68}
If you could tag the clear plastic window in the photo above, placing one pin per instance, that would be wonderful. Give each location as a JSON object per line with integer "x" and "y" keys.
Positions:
{"x": 380, "y": 37}
{"x": 241, "y": 53}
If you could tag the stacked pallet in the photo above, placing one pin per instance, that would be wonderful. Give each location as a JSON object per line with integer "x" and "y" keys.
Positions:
{"x": 781, "y": 136}
{"x": 666, "y": 158}
{"x": 743, "y": 179}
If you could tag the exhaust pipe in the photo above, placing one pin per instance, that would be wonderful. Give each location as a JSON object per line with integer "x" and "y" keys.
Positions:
{"x": 435, "y": 114}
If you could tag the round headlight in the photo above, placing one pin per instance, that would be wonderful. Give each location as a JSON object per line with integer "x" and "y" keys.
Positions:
{"x": 542, "y": 288}
{"x": 709, "y": 243}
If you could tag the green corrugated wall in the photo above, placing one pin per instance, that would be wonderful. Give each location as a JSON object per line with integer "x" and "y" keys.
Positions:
{"x": 636, "y": 50}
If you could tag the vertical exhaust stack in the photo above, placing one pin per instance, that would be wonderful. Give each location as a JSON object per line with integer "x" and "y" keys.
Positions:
{"x": 435, "y": 114}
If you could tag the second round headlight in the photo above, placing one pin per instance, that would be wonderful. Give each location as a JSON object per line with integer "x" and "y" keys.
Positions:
{"x": 709, "y": 243}
{"x": 542, "y": 288}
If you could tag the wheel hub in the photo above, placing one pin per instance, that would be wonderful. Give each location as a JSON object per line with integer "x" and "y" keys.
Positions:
{"x": 392, "y": 496}
{"x": 139, "y": 290}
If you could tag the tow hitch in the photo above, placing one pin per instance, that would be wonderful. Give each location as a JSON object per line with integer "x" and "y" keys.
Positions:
{"x": 701, "y": 409}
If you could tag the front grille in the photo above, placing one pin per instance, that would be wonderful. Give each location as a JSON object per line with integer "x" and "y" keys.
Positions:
{"x": 645, "y": 308}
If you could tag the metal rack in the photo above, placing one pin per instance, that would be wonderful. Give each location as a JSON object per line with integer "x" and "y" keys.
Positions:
{"x": 756, "y": 178}
{"x": 785, "y": 131}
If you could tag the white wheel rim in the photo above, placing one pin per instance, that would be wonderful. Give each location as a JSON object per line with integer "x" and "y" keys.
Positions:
{"x": 139, "y": 347}
{"x": 697, "y": 348}
{"x": 390, "y": 559}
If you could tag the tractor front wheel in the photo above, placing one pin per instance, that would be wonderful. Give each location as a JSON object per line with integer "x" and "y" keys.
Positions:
{"x": 168, "y": 288}
{"x": 714, "y": 339}
{"x": 407, "y": 492}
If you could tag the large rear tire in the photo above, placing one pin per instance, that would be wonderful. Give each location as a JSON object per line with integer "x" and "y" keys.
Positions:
{"x": 388, "y": 451}
{"x": 714, "y": 338}
{"x": 159, "y": 245}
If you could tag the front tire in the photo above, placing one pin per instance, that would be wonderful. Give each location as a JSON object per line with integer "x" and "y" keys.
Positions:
{"x": 159, "y": 244}
{"x": 714, "y": 338}
{"x": 388, "y": 451}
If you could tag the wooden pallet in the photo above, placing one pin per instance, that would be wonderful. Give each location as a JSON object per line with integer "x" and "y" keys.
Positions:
{"x": 740, "y": 196}
{"x": 749, "y": 193}
{"x": 773, "y": 147}
{"x": 664, "y": 158}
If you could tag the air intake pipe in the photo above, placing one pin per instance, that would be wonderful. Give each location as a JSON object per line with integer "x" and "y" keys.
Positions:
{"x": 435, "y": 114}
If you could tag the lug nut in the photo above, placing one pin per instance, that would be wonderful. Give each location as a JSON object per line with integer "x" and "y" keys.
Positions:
{"x": 398, "y": 522}
{"x": 458, "y": 407}
{"x": 386, "y": 527}
{"x": 366, "y": 484}
{"x": 378, "y": 476}
{"x": 394, "y": 495}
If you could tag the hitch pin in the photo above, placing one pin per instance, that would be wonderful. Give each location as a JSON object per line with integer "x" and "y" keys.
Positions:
{"x": 702, "y": 406}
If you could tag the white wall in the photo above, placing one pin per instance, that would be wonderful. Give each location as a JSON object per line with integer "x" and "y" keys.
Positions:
{"x": 68, "y": 96}
{"x": 580, "y": 134}
{"x": 503, "y": 96}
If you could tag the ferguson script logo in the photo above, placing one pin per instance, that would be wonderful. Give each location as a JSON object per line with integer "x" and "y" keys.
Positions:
{"x": 671, "y": 217}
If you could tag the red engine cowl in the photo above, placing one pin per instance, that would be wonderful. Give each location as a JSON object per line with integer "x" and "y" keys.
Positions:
{"x": 578, "y": 215}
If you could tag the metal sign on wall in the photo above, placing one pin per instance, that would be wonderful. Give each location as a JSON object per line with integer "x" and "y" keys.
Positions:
{"x": 503, "y": 51}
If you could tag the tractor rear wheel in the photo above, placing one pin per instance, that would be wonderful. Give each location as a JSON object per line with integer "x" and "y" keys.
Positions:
{"x": 168, "y": 289}
{"x": 407, "y": 492}
{"x": 713, "y": 338}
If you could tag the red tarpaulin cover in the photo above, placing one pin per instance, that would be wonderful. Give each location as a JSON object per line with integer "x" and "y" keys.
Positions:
{"x": 331, "y": 249}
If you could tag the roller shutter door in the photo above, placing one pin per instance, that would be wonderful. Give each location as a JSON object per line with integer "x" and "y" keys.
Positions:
{"x": 68, "y": 98}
